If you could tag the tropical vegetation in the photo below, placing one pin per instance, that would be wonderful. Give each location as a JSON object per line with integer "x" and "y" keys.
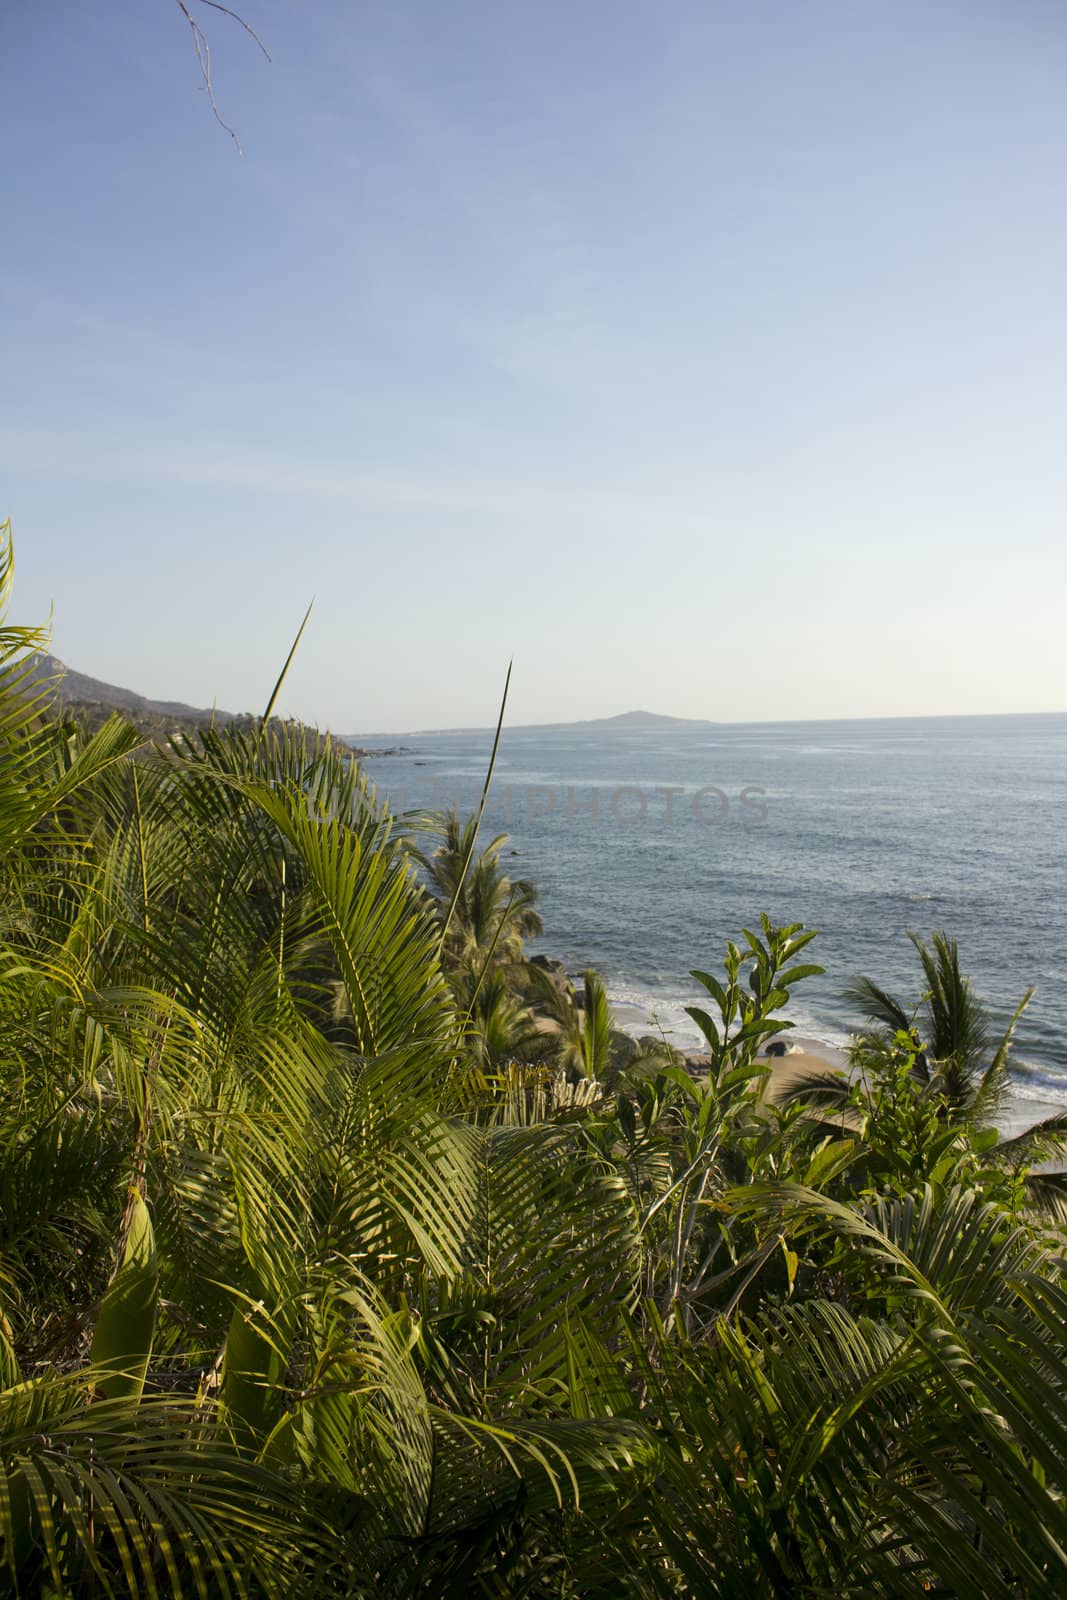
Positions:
{"x": 344, "y": 1250}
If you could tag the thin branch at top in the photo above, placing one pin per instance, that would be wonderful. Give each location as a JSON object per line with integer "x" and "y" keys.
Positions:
{"x": 203, "y": 55}
{"x": 215, "y": 6}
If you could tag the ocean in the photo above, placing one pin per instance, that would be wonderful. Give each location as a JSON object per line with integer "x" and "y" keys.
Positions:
{"x": 651, "y": 848}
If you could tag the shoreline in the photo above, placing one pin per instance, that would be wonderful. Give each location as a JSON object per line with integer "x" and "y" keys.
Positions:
{"x": 818, "y": 1053}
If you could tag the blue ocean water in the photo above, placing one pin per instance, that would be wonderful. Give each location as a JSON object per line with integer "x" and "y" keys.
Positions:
{"x": 651, "y": 848}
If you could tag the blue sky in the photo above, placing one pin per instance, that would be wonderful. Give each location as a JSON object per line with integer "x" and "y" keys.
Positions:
{"x": 703, "y": 357}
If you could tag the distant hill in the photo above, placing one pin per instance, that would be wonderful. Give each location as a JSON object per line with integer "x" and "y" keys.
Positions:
{"x": 639, "y": 720}
{"x": 625, "y": 722}
{"x": 96, "y": 700}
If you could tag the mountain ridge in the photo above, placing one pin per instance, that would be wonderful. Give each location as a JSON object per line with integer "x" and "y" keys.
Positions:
{"x": 79, "y": 690}
{"x": 96, "y": 700}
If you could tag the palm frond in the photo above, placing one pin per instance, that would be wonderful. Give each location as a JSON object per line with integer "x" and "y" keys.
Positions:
{"x": 877, "y": 1005}
{"x": 991, "y": 1089}
{"x": 143, "y": 1502}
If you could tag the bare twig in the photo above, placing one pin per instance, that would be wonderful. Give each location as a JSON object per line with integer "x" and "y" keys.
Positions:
{"x": 214, "y": 5}
{"x": 203, "y": 54}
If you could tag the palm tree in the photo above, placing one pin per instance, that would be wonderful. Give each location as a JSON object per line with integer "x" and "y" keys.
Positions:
{"x": 956, "y": 1028}
{"x": 218, "y": 1205}
{"x": 491, "y": 915}
{"x": 904, "y": 1433}
{"x": 956, "y": 1078}
{"x": 961, "y": 1060}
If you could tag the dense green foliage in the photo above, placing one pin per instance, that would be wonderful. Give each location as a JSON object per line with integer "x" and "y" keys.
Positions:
{"x": 344, "y": 1252}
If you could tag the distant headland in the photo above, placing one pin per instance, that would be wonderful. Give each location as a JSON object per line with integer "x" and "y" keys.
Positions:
{"x": 639, "y": 720}
{"x": 625, "y": 722}
{"x": 94, "y": 701}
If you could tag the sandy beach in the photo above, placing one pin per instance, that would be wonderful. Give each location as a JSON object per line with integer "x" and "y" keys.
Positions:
{"x": 805, "y": 1059}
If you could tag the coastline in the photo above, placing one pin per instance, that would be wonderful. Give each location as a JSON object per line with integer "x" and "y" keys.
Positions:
{"x": 814, "y": 1051}
{"x": 871, "y": 830}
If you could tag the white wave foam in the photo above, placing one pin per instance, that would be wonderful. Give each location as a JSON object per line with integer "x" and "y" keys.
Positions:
{"x": 640, "y": 1011}
{"x": 1040, "y": 1087}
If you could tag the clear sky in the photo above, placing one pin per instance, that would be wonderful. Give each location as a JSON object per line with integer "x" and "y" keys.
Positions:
{"x": 706, "y": 357}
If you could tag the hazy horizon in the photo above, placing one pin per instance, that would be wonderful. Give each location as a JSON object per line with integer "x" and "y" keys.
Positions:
{"x": 662, "y": 719}
{"x": 708, "y": 357}
{"x": 670, "y": 719}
